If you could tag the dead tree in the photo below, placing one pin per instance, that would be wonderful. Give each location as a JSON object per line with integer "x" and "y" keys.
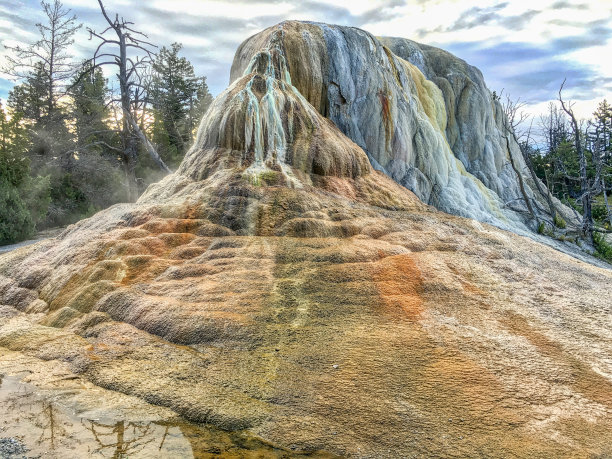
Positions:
{"x": 514, "y": 117}
{"x": 596, "y": 138}
{"x": 588, "y": 188}
{"x": 48, "y": 54}
{"x": 129, "y": 74}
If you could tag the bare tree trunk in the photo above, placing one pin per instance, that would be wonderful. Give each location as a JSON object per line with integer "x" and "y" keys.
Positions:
{"x": 605, "y": 195}
{"x": 129, "y": 155}
{"x": 514, "y": 117}
{"x": 520, "y": 179}
{"x": 587, "y": 209}
{"x": 130, "y": 148}
{"x": 148, "y": 145}
{"x": 549, "y": 185}
{"x": 131, "y": 134}
{"x": 585, "y": 189}
{"x": 51, "y": 68}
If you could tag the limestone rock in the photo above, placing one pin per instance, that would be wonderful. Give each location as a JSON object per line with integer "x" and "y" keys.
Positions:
{"x": 424, "y": 117}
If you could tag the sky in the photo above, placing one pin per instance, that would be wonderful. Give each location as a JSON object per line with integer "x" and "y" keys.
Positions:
{"x": 524, "y": 47}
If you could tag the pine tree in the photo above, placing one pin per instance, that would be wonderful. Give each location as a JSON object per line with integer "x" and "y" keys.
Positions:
{"x": 48, "y": 58}
{"x": 29, "y": 98}
{"x": 603, "y": 117}
{"x": 23, "y": 201}
{"x": 174, "y": 91}
{"x": 89, "y": 110}
{"x": 199, "y": 105}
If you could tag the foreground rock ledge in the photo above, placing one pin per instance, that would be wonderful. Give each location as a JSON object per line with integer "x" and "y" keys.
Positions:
{"x": 287, "y": 288}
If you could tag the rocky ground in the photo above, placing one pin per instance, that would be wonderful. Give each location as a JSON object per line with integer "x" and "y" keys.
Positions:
{"x": 337, "y": 326}
{"x": 12, "y": 448}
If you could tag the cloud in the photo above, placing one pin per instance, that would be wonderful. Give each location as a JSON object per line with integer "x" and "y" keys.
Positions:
{"x": 560, "y": 5}
{"x": 381, "y": 12}
{"x": 519, "y": 21}
{"x": 477, "y": 16}
{"x": 535, "y": 72}
{"x": 16, "y": 20}
{"x": 595, "y": 36}
{"x": 525, "y": 51}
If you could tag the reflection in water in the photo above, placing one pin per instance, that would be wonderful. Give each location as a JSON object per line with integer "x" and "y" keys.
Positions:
{"x": 122, "y": 439}
{"x": 51, "y": 430}
{"x": 48, "y": 429}
{"x": 50, "y": 426}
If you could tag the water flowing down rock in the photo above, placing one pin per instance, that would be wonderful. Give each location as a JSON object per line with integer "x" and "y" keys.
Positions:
{"x": 287, "y": 281}
{"x": 424, "y": 117}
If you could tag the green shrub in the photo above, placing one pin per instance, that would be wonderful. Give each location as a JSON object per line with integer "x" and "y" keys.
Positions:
{"x": 68, "y": 202}
{"x": 541, "y": 228}
{"x": 600, "y": 213}
{"x": 559, "y": 222}
{"x": 603, "y": 249}
{"x": 16, "y": 223}
{"x": 22, "y": 202}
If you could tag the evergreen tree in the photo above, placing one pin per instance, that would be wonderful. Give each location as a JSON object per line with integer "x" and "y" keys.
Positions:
{"x": 48, "y": 57}
{"x": 89, "y": 111}
{"x": 199, "y": 106}
{"x": 173, "y": 87}
{"x": 179, "y": 98}
{"x": 603, "y": 120}
{"x": 29, "y": 98}
{"x": 23, "y": 200}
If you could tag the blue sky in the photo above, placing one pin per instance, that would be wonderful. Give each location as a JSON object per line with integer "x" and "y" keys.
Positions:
{"x": 525, "y": 47}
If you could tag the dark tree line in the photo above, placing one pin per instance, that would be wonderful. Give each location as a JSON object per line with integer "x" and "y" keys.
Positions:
{"x": 72, "y": 141}
{"x": 573, "y": 158}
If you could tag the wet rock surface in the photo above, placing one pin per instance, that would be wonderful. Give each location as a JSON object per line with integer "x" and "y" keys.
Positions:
{"x": 428, "y": 317}
{"x": 423, "y": 116}
{"x": 73, "y": 422}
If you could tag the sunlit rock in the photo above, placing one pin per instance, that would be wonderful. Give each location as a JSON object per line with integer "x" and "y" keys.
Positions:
{"x": 423, "y": 116}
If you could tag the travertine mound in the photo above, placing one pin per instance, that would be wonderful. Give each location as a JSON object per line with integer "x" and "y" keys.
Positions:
{"x": 424, "y": 117}
{"x": 278, "y": 283}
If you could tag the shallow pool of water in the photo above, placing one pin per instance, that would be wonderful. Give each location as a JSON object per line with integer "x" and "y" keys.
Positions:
{"x": 47, "y": 429}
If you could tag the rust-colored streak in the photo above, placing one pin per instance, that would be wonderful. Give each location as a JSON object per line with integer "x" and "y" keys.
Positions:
{"x": 385, "y": 105}
{"x": 400, "y": 285}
